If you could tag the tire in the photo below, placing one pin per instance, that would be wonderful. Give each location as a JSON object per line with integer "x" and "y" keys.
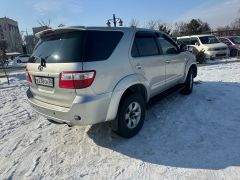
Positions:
{"x": 233, "y": 53}
{"x": 188, "y": 85}
{"x": 200, "y": 57}
{"x": 129, "y": 124}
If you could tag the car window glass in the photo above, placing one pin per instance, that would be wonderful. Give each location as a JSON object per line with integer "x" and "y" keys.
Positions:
{"x": 144, "y": 46}
{"x": 184, "y": 41}
{"x": 168, "y": 47}
{"x": 194, "y": 41}
{"x": 225, "y": 41}
{"x": 101, "y": 44}
{"x": 77, "y": 46}
{"x": 134, "y": 51}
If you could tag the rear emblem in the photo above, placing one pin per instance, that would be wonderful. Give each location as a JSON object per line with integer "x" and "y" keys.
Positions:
{"x": 40, "y": 68}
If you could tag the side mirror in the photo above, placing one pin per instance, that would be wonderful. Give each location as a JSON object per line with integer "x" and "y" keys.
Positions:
{"x": 197, "y": 44}
{"x": 183, "y": 47}
{"x": 190, "y": 49}
{"x": 171, "y": 51}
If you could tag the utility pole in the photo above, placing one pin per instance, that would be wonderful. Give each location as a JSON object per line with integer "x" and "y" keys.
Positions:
{"x": 114, "y": 20}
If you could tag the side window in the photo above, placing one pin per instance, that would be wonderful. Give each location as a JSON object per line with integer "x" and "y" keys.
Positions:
{"x": 101, "y": 44}
{"x": 184, "y": 41}
{"x": 194, "y": 41}
{"x": 167, "y": 45}
{"x": 144, "y": 46}
{"x": 135, "y": 52}
{"x": 225, "y": 41}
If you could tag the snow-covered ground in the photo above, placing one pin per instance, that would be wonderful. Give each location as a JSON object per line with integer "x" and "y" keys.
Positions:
{"x": 184, "y": 137}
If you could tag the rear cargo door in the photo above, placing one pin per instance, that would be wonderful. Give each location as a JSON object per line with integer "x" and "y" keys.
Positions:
{"x": 55, "y": 53}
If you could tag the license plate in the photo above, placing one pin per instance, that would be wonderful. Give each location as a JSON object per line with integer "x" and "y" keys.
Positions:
{"x": 44, "y": 81}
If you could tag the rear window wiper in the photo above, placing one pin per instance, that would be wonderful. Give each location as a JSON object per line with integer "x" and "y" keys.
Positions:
{"x": 33, "y": 59}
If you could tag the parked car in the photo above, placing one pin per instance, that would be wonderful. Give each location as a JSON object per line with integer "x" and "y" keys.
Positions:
{"x": 21, "y": 58}
{"x": 88, "y": 75}
{"x": 208, "y": 44}
{"x": 233, "y": 42}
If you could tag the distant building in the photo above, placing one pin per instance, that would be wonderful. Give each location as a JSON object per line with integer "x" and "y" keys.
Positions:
{"x": 9, "y": 32}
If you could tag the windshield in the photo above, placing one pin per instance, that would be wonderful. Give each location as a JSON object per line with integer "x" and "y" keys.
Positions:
{"x": 235, "y": 39}
{"x": 209, "y": 40}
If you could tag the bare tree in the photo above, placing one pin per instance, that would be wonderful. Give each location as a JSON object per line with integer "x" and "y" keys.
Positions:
{"x": 235, "y": 24}
{"x": 44, "y": 23}
{"x": 134, "y": 23}
{"x": 164, "y": 27}
{"x": 152, "y": 24}
{"x": 3, "y": 59}
{"x": 159, "y": 25}
{"x": 179, "y": 29}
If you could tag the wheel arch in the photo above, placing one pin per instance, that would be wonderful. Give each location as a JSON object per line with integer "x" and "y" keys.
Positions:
{"x": 132, "y": 85}
{"x": 189, "y": 66}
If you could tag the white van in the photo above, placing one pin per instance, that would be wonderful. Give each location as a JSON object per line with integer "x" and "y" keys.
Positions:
{"x": 211, "y": 46}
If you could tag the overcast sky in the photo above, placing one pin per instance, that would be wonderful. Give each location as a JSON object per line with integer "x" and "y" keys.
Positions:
{"x": 96, "y": 12}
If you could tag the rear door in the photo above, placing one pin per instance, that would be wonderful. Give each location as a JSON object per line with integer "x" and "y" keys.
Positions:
{"x": 146, "y": 60}
{"x": 55, "y": 53}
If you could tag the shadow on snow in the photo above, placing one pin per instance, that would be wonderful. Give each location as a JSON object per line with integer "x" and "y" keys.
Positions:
{"x": 200, "y": 131}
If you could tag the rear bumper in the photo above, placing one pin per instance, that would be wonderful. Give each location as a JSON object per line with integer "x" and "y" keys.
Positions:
{"x": 91, "y": 109}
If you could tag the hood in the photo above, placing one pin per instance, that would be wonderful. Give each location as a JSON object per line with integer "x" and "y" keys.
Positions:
{"x": 236, "y": 46}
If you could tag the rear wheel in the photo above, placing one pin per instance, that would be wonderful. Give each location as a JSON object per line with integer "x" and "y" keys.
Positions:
{"x": 188, "y": 85}
{"x": 131, "y": 115}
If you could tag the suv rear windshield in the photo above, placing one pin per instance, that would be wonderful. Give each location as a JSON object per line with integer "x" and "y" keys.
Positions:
{"x": 79, "y": 46}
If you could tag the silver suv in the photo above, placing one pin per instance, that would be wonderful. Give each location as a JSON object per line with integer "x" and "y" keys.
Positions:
{"x": 88, "y": 75}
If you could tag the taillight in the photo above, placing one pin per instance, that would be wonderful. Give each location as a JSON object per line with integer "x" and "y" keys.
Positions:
{"x": 76, "y": 80}
{"x": 28, "y": 77}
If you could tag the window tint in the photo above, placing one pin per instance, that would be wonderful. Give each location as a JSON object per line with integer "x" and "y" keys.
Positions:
{"x": 134, "y": 52}
{"x": 235, "y": 39}
{"x": 62, "y": 48}
{"x": 167, "y": 45}
{"x": 144, "y": 46}
{"x": 194, "y": 41}
{"x": 209, "y": 40}
{"x": 101, "y": 44}
{"x": 184, "y": 41}
{"x": 225, "y": 41}
{"x": 77, "y": 46}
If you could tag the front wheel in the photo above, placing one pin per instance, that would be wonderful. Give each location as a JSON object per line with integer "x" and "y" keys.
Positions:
{"x": 233, "y": 52}
{"x": 131, "y": 115}
{"x": 188, "y": 85}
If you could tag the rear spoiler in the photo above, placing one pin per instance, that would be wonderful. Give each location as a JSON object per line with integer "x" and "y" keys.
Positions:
{"x": 51, "y": 32}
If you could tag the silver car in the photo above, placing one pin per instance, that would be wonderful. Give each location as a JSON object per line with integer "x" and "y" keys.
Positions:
{"x": 88, "y": 75}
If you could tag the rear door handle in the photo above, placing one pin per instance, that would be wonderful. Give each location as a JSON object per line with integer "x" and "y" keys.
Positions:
{"x": 138, "y": 66}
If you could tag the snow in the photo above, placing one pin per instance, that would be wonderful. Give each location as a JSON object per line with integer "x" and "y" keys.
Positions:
{"x": 184, "y": 137}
